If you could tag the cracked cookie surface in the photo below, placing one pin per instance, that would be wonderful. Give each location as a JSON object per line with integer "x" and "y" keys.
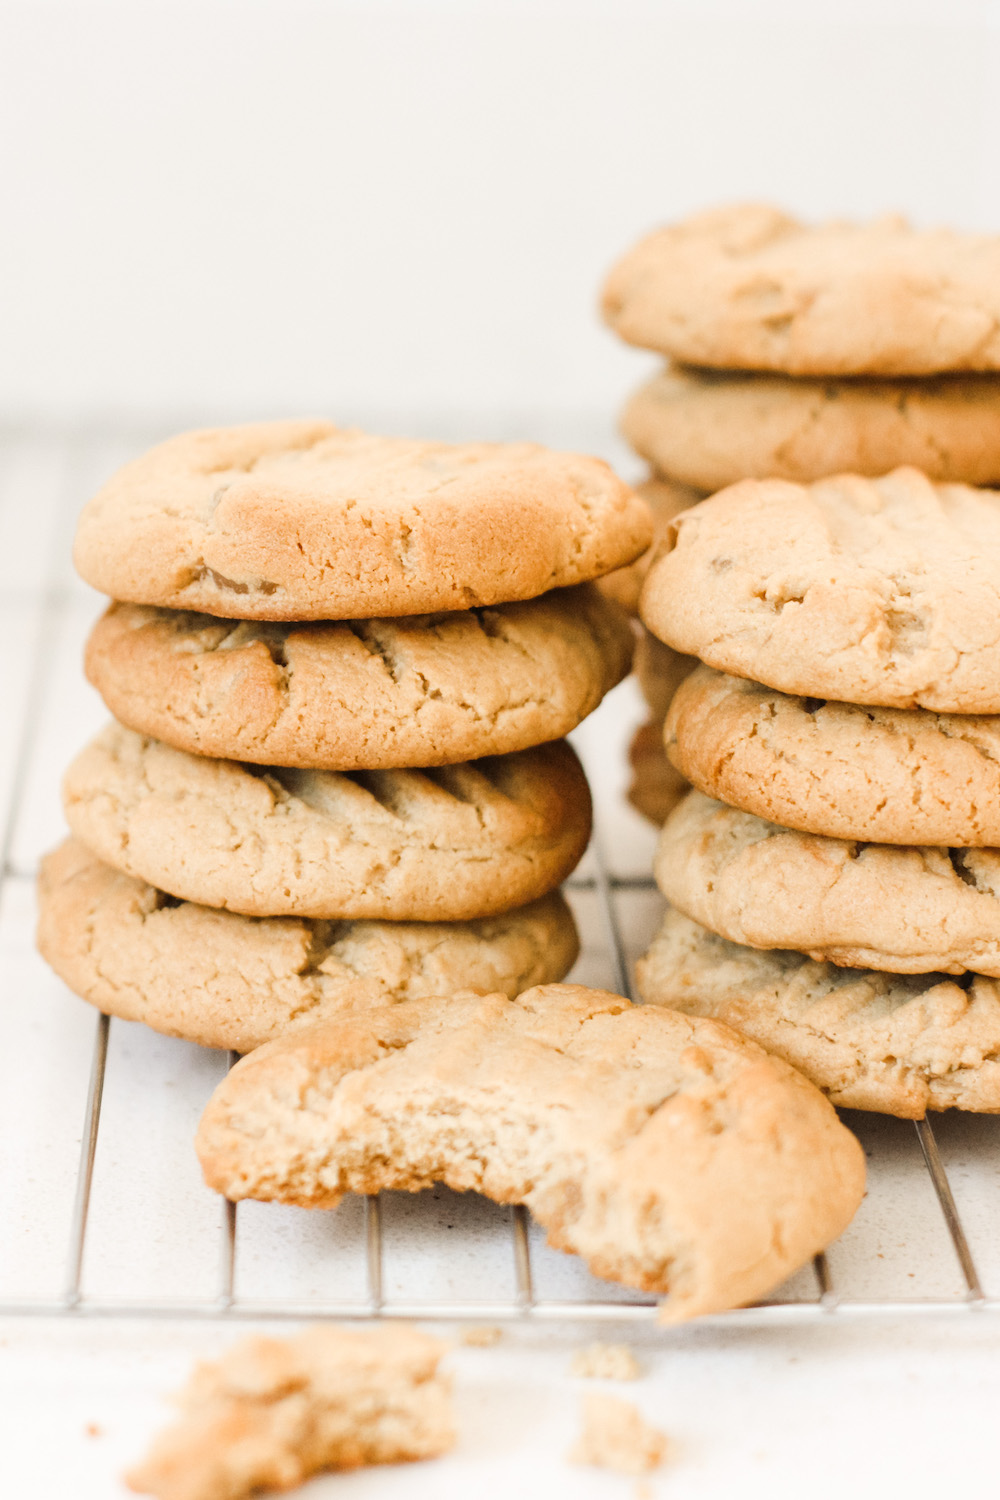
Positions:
{"x": 747, "y": 287}
{"x": 712, "y": 428}
{"x": 890, "y": 776}
{"x": 900, "y": 1044}
{"x": 458, "y": 842}
{"x": 306, "y": 521}
{"x": 859, "y": 905}
{"x": 883, "y": 591}
{"x": 230, "y": 981}
{"x": 362, "y": 694}
{"x": 670, "y": 1153}
{"x": 271, "y": 1412}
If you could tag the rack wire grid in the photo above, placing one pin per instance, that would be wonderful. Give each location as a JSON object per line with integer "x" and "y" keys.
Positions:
{"x": 105, "y": 1214}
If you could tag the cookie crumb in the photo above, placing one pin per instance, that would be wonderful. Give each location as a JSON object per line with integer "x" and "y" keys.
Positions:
{"x": 480, "y": 1336}
{"x": 605, "y": 1362}
{"x": 616, "y": 1437}
{"x": 272, "y": 1412}
{"x": 92, "y": 1429}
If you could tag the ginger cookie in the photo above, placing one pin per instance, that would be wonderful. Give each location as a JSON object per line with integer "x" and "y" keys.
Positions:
{"x": 306, "y": 521}
{"x": 671, "y": 1154}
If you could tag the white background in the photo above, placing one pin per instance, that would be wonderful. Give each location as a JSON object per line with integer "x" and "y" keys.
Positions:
{"x": 403, "y": 211}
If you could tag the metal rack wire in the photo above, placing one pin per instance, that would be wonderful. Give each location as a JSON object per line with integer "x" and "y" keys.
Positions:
{"x": 823, "y": 1300}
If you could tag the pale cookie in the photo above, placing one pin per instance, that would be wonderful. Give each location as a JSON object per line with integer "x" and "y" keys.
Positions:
{"x": 889, "y": 776}
{"x": 362, "y": 695}
{"x": 746, "y": 287}
{"x": 616, "y": 1437}
{"x": 900, "y": 1044}
{"x": 304, "y": 521}
{"x": 231, "y": 981}
{"x": 876, "y": 906}
{"x": 441, "y": 845}
{"x": 659, "y": 671}
{"x": 671, "y": 1155}
{"x": 710, "y": 428}
{"x": 656, "y": 786}
{"x": 883, "y": 591}
{"x": 666, "y": 500}
{"x": 271, "y": 1412}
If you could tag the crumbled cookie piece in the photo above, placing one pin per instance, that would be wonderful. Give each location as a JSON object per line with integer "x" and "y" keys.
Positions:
{"x": 605, "y": 1362}
{"x": 480, "y": 1336}
{"x": 615, "y": 1436}
{"x": 271, "y": 1412}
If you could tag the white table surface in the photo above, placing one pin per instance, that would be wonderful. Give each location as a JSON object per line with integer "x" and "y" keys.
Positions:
{"x": 861, "y": 1402}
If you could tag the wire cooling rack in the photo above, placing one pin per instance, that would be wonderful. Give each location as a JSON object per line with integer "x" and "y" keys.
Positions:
{"x": 105, "y": 1215}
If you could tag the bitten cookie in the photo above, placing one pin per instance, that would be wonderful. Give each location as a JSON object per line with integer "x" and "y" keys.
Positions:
{"x": 883, "y": 591}
{"x": 711, "y": 428}
{"x": 304, "y": 521}
{"x": 442, "y": 845}
{"x": 876, "y": 906}
{"x": 891, "y": 776}
{"x": 747, "y": 287}
{"x": 672, "y": 1155}
{"x": 271, "y": 1412}
{"x": 666, "y": 500}
{"x": 362, "y": 695}
{"x": 231, "y": 981}
{"x": 899, "y": 1044}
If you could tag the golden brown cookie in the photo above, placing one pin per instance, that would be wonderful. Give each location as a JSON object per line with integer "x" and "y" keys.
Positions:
{"x": 882, "y": 591}
{"x": 441, "y": 845}
{"x": 876, "y": 906}
{"x": 900, "y": 1044}
{"x": 656, "y": 786}
{"x": 306, "y": 521}
{"x": 746, "y": 287}
{"x": 666, "y": 500}
{"x": 886, "y": 775}
{"x": 362, "y": 695}
{"x": 672, "y": 1155}
{"x": 231, "y": 981}
{"x": 711, "y": 428}
{"x": 271, "y": 1412}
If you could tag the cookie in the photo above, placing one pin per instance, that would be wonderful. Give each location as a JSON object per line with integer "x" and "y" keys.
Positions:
{"x": 888, "y": 776}
{"x": 271, "y": 1412}
{"x": 441, "y": 845}
{"x": 305, "y": 521}
{"x": 666, "y": 500}
{"x": 895, "y": 1043}
{"x": 710, "y": 428}
{"x": 659, "y": 671}
{"x": 881, "y": 591}
{"x": 656, "y": 786}
{"x": 747, "y": 287}
{"x": 362, "y": 695}
{"x": 877, "y": 906}
{"x": 671, "y": 1154}
{"x": 226, "y": 980}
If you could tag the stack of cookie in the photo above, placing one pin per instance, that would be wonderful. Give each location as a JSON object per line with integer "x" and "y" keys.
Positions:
{"x": 797, "y": 354}
{"x": 340, "y": 667}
